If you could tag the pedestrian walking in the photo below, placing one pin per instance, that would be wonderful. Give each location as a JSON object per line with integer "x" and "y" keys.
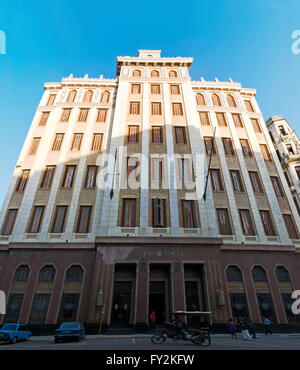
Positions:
{"x": 232, "y": 328}
{"x": 152, "y": 320}
{"x": 245, "y": 329}
{"x": 267, "y": 325}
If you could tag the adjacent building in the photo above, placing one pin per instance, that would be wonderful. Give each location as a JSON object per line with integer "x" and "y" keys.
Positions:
{"x": 287, "y": 147}
{"x": 148, "y": 192}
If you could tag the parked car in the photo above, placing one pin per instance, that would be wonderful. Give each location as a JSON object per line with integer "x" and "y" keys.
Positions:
{"x": 14, "y": 332}
{"x": 69, "y": 330}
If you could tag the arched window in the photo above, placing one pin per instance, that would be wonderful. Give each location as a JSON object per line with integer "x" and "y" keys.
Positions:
{"x": 231, "y": 101}
{"x": 47, "y": 274}
{"x": 72, "y": 96}
{"x": 88, "y": 96}
{"x": 282, "y": 275}
{"x": 172, "y": 74}
{"x": 216, "y": 100}
{"x": 22, "y": 274}
{"x": 74, "y": 274}
{"x": 136, "y": 73}
{"x": 259, "y": 275}
{"x": 234, "y": 274}
{"x": 154, "y": 74}
{"x": 200, "y": 99}
{"x": 105, "y": 97}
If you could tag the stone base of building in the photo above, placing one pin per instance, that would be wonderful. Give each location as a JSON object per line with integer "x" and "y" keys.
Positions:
{"x": 120, "y": 281}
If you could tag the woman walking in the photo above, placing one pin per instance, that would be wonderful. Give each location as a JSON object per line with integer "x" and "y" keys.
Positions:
{"x": 232, "y": 328}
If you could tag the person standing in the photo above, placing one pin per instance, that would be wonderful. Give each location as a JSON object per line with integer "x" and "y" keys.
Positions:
{"x": 267, "y": 325}
{"x": 152, "y": 320}
{"x": 232, "y": 328}
{"x": 252, "y": 329}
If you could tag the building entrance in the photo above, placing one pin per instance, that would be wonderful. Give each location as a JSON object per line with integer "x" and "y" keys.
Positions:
{"x": 157, "y": 300}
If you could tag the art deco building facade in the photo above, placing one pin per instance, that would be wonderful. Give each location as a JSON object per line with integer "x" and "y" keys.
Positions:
{"x": 287, "y": 147}
{"x": 109, "y": 208}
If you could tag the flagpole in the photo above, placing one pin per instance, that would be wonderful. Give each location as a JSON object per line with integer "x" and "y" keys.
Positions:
{"x": 113, "y": 179}
{"x": 208, "y": 170}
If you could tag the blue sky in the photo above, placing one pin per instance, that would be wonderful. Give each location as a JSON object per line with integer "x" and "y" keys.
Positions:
{"x": 47, "y": 40}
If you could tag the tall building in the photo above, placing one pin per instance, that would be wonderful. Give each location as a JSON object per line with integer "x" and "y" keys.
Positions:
{"x": 287, "y": 147}
{"x": 148, "y": 192}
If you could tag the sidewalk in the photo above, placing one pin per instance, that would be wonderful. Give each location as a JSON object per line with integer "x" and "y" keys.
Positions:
{"x": 146, "y": 335}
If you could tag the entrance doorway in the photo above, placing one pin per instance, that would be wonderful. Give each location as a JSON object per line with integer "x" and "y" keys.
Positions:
{"x": 122, "y": 310}
{"x": 157, "y": 300}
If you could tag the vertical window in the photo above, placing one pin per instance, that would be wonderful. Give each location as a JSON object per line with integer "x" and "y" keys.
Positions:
{"x": 249, "y": 106}
{"x": 134, "y": 108}
{"x": 180, "y": 135}
{"x": 22, "y": 274}
{"x": 83, "y": 114}
{"x": 88, "y": 96}
{"x": 216, "y": 100}
{"x": 57, "y": 142}
{"x": 155, "y": 89}
{"x": 68, "y": 307}
{"x": 188, "y": 213}
{"x": 221, "y": 119}
{"x": 105, "y": 97}
{"x": 132, "y": 164}
{"x": 68, "y": 177}
{"x": 157, "y": 169}
{"x": 135, "y": 89}
{"x": 44, "y": 118}
{"x": 34, "y": 145}
{"x": 228, "y": 147}
{"x": 74, "y": 274}
{"x": 133, "y": 136}
{"x": 72, "y": 96}
{"x": 236, "y": 181}
{"x": 39, "y": 308}
{"x": 277, "y": 186}
{"x": 287, "y": 179}
{"x": 9, "y": 222}
{"x": 174, "y": 89}
{"x": 51, "y": 99}
{"x": 230, "y": 100}
{"x": 237, "y": 120}
{"x": 36, "y": 219}
{"x": 47, "y": 177}
{"x": 216, "y": 180}
{"x": 256, "y": 183}
{"x": 159, "y": 212}
{"x": 291, "y": 228}
{"x": 209, "y": 145}
{"x": 256, "y": 125}
{"x": 184, "y": 169}
{"x": 177, "y": 109}
{"x": 157, "y": 135}
{"x": 59, "y": 219}
{"x": 76, "y": 144}
{"x": 91, "y": 175}
{"x": 297, "y": 205}
{"x": 23, "y": 178}
{"x": 298, "y": 171}
{"x": 172, "y": 74}
{"x": 136, "y": 73}
{"x": 47, "y": 274}
{"x": 267, "y": 223}
{"x": 156, "y": 108}
{"x": 14, "y": 305}
{"x": 200, "y": 99}
{"x": 65, "y": 115}
{"x": 265, "y": 152}
{"x": 224, "y": 221}
{"x": 154, "y": 74}
{"x": 246, "y": 148}
{"x": 246, "y": 222}
{"x": 84, "y": 217}
{"x": 204, "y": 119}
{"x": 129, "y": 211}
{"x": 101, "y": 115}
{"x": 97, "y": 142}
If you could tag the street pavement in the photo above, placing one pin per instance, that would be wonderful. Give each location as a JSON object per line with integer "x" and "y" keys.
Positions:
{"x": 143, "y": 342}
